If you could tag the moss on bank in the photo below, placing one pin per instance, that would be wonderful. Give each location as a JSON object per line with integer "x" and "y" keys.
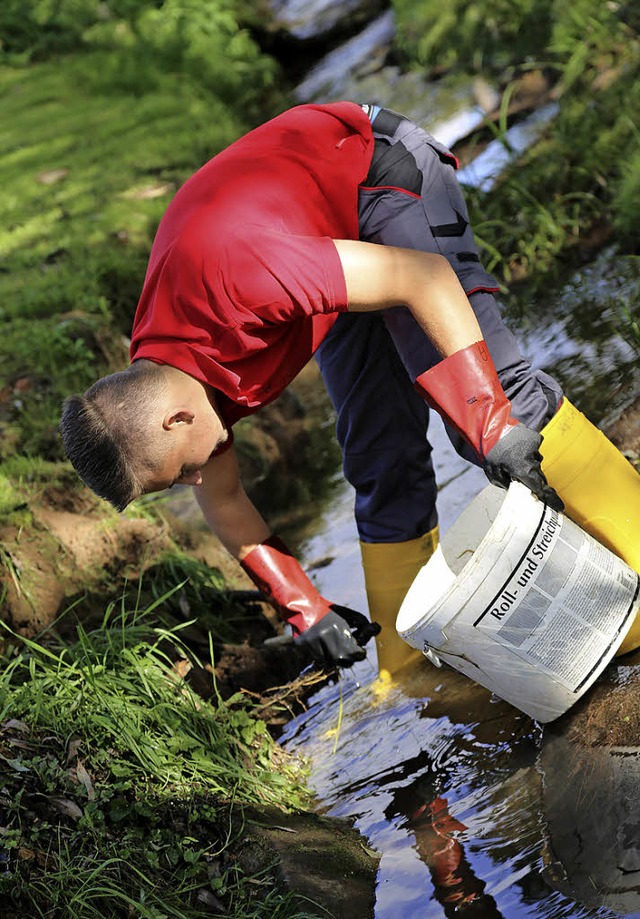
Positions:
{"x": 87, "y": 176}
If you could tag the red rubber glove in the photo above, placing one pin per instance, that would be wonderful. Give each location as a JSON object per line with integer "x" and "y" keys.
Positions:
{"x": 464, "y": 388}
{"x": 333, "y": 634}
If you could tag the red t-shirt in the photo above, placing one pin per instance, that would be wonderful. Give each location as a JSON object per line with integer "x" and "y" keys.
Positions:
{"x": 243, "y": 280}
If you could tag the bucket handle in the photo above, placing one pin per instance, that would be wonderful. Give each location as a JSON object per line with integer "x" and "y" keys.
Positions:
{"x": 431, "y": 655}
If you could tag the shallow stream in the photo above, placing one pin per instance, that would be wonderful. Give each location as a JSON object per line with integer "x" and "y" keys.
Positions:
{"x": 449, "y": 784}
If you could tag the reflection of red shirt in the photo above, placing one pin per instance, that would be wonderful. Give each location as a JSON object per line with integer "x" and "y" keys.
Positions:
{"x": 244, "y": 281}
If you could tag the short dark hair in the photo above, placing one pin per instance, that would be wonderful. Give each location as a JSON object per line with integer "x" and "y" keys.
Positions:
{"x": 102, "y": 431}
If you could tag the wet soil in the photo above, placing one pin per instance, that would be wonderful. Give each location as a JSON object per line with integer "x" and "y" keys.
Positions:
{"x": 624, "y": 431}
{"x": 608, "y": 716}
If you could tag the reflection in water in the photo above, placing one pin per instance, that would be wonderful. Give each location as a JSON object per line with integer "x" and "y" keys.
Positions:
{"x": 434, "y": 735}
{"x": 404, "y": 750}
{"x": 455, "y": 885}
{"x": 575, "y": 335}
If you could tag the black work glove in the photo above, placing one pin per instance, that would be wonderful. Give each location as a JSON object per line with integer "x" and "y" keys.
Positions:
{"x": 517, "y": 456}
{"x": 338, "y": 637}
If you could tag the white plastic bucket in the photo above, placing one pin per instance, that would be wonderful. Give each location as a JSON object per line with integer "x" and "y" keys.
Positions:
{"x": 521, "y": 600}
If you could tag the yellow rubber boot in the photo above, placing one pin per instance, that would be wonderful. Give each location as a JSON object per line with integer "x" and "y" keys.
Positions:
{"x": 599, "y": 487}
{"x": 389, "y": 570}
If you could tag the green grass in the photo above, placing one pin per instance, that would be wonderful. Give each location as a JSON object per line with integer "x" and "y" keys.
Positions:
{"x": 574, "y": 179}
{"x": 182, "y": 587}
{"x": 122, "y": 789}
{"x": 112, "y": 149}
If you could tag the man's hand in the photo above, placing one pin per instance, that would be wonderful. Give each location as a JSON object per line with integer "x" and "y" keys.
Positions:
{"x": 332, "y": 641}
{"x": 275, "y": 571}
{"x": 517, "y": 456}
{"x": 464, "y": 388}
{"x": 332, "y": 634}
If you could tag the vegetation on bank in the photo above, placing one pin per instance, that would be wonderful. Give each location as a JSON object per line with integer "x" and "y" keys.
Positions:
{"x": 122, "y": 790}
{"x": 583, "y": 175}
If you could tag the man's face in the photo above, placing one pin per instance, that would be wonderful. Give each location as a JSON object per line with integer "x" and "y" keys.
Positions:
{"x": 190, "y": 446}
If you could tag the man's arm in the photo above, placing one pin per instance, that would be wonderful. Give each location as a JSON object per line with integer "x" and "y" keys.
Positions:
{"x": 464, "y": 387}
{"x": 383, "y": 276}
{"x": 330, "y": 633}
{"x": 227, "y": 508}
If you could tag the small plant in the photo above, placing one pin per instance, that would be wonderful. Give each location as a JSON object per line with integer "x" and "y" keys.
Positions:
{"x": 484, "y": 35}
{"x": 580, "y": 179}
{"x": 185, "y": 588}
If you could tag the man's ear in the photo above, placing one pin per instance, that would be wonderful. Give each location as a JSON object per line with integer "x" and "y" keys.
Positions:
{"x": 176, "y": 416}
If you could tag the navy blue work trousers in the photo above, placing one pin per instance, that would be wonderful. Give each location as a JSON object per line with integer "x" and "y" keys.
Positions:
{"x": 369, "y": 361}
